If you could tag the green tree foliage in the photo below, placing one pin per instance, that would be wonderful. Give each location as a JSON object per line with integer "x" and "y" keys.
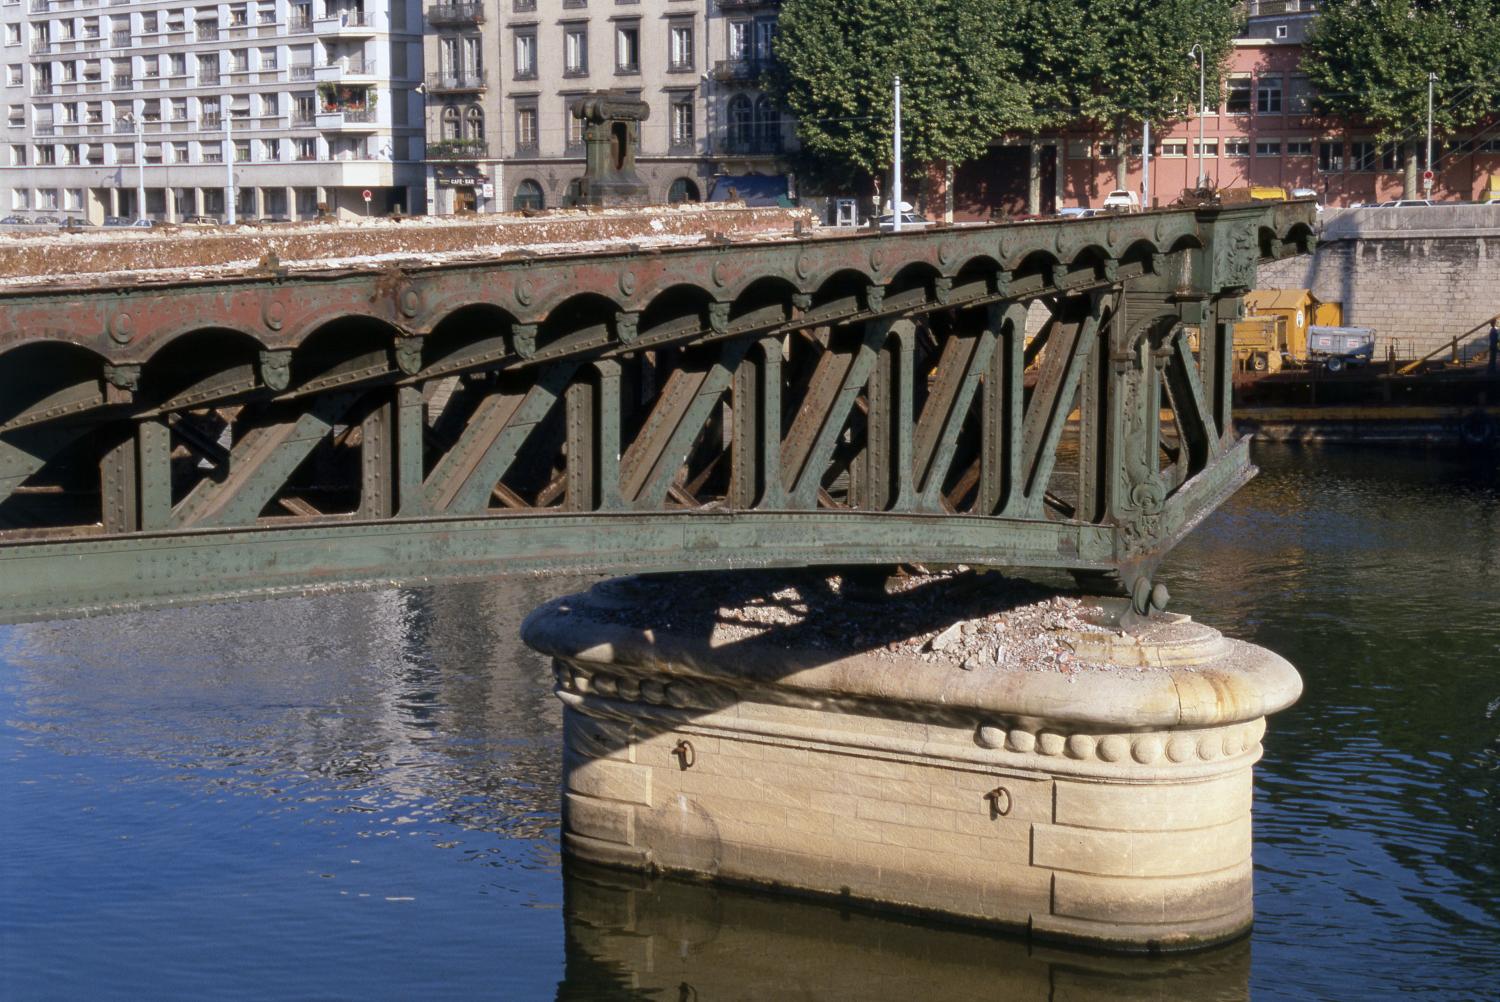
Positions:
{"x": 1369, "y": 61}
{"x": 961, "y": 77}
{"x": 974, "y": 70}
{"x": 1117, "y": 63}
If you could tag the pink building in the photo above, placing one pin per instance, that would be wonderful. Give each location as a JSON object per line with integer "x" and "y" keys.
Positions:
{"x": 1261, "y": 134}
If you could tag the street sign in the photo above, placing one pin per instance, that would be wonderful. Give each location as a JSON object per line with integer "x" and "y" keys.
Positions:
{"x": 488, "y": 191}
{"x": 366, "y": 194}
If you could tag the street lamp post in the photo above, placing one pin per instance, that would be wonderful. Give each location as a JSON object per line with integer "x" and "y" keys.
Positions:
{"x": 140, "y": 166}
{"x": 228, "y": 164}
{"x": 896, "y": 173}
{"x": 1197, "y": 53}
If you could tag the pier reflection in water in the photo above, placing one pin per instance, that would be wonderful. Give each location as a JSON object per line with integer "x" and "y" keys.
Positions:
{"x": 355, "y": 796}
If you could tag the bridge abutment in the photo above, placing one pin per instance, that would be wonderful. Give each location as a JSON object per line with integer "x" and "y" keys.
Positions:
{"x": 1033, "y": 767}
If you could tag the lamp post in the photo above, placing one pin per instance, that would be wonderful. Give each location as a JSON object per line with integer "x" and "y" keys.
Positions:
{"x": 896, "y": 173}
{"x": 140, "y": 166}
{"x": 228, "y": 163}
{"x": 1197, "y": 53}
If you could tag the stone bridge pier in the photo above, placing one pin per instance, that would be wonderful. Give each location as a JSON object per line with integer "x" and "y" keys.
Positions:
{"x": 967, "y": 747}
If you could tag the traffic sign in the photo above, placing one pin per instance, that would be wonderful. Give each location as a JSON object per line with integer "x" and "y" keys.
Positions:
{"x": 1427, "y": 175}
{"x": 366, "y": 194}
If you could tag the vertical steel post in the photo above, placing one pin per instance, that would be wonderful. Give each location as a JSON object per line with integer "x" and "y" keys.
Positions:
{"x": 1202, "y": 58}
{"x": 896, "y": 169}
{"x": 228, "y": 166}
{"x": 1146, "y": 165}
{"x": 1427, "y": 167}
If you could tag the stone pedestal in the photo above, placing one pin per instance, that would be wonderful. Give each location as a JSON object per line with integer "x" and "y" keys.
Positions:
{"x": 1107, "y": 802}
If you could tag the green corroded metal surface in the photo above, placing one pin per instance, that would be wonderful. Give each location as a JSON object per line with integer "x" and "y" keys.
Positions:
{"x": 841, "y": 399}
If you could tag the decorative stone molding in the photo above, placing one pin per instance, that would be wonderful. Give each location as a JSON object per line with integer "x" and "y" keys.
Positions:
{"x": 1109, "y": 804}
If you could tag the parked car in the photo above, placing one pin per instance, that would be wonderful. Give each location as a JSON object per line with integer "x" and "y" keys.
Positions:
{"x": 909, "y": 221}
{"x": 201, "y": 221}
{"x": 1406, "y": 203}
{"x": 143, "y": 224}
{"x": 1300, "y": 193}
{"x": 74, "y": 223}
{"x": 44, "y": 220}
{"x": 1121, "y": 200}
{"x": 116, "y": 220}
{"x": 15, "y": 221}
{"x": 1079, "y": 212}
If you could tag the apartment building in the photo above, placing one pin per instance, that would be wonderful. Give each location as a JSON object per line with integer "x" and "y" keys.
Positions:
{"x": 502, "y": 76}
{"x": 163, "y": 108}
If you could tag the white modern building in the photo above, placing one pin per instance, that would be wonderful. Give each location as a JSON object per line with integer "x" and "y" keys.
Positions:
{"x": 297, "y": 106}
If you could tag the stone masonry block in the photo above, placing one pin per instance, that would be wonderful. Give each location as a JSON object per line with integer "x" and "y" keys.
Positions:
{"x": 600, "y": 819}
{"x": 1141, "y": 854}
{"x": 1138, "y": 807}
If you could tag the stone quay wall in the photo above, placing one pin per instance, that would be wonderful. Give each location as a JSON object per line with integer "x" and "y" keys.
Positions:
{"x": 1418, "y": 276}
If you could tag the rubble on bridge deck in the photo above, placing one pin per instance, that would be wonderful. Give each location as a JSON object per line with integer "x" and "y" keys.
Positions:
{"x": 129, "y": 256}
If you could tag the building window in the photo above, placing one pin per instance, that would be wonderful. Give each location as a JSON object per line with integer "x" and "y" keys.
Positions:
{"x": 680, "y": 47}
{"x": 1268, "y": 95}
{"x": 741, "y": 122}
{"x": 307, "y": 149}
{"x": 179, "y": 153}
{"x": 574, "y": 126}
{"x": 682, "y": 120}
{"x": 628, "y": 47}
{"x": 683, "y": 190}
{"x": 450, "y": 126}
{"x": 1106, "y": 151}
{"x": 1299, "y": 94}
{"x": 528, "y": 196}
{"x": 474, "y": 123}
{"x": 241, "y": 150}
{"x": 1299, "y": 147}
{"x": 1237, "y": 96}
{"x": 526, "y": 129}
{"x": 270, "y": 149}
{"x": 576, "y": 51}
{"x": 1079, "y": 149}
{"x": 1237, "y": 147}
{"x": 46, "y": 198}
{"x": 13, "y": 34}
{"x": 18, "y": 156}
{"x": 767, "y": 125}
{"x": 525, "y": 55}
{"x": 1281, "y": 31}
{"x": 1268, "y": 148}
{"x": 1330, "y": 156}
{"x": 1362, "y": 156}
{"x": 46, "y": 156}
{"x": 1174, "y": 148}
{"x": 1210, "y": 148}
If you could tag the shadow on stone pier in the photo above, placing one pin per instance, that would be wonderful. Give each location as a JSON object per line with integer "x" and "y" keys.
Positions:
{"x": 634, "y": 937}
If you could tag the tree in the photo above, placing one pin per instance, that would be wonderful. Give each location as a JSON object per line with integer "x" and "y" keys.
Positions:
{"x": 960, "y": 75}
{"x": 1117, "y": 63}
{"x": 1369, "y": 61}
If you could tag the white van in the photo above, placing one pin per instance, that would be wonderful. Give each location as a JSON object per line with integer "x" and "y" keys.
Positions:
{"x": 1121, "y": 200}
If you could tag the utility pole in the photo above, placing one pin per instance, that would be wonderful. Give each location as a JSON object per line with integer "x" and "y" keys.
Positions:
{"x": 1427, "y": 177}
{"x": 896, "y": 170}
{"x": 228, "y": 166}
{"x": 1197, "y": 52}
{"x": 1146, "y": 165}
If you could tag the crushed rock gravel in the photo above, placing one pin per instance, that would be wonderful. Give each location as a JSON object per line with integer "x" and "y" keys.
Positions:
{"x": 970, "y": 621}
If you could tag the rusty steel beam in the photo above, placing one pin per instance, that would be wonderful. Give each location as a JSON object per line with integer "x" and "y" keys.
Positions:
{"x": 605, "y": 411}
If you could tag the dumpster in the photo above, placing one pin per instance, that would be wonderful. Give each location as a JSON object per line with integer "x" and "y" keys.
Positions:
{"x": 1336, "y": 347}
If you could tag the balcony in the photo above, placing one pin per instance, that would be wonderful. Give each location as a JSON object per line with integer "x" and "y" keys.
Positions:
{"x": 458, "y": 149}
{"x": 746, "y": 70}
{"x": 211, "y": 122}
{"x": 752, "y": 146}
{"x": 301, "y": 73}
{"x": 123, "y": 82}
{"x": 455, "y": 13}
{"x": 41, "y": 87}
{"x": 119, "y": 39}
{"x": 345, "y": 24}
{"x": 347, "y": 118}
{"x": 747, "y": 4}
{"x": 40, "y": 46}
{"x": 207, "y": 33}
{"x": 345, "y": 69}
{"x": 455, "y": 83}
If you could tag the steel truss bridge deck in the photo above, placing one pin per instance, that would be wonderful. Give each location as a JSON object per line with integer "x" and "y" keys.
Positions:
{"x": 855, "y": 399}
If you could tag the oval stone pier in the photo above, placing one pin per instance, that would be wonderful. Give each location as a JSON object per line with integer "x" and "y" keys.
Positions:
{"x": 990, "y": 753}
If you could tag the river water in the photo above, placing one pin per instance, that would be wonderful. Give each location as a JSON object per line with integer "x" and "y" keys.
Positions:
{"x": 355, "y": 796}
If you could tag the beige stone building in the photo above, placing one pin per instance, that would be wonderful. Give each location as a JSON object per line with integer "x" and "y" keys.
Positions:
{"x": 502, "y": 76}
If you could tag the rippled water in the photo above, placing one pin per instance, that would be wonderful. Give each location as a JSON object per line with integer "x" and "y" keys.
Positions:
{"x": 354, "y": 796}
